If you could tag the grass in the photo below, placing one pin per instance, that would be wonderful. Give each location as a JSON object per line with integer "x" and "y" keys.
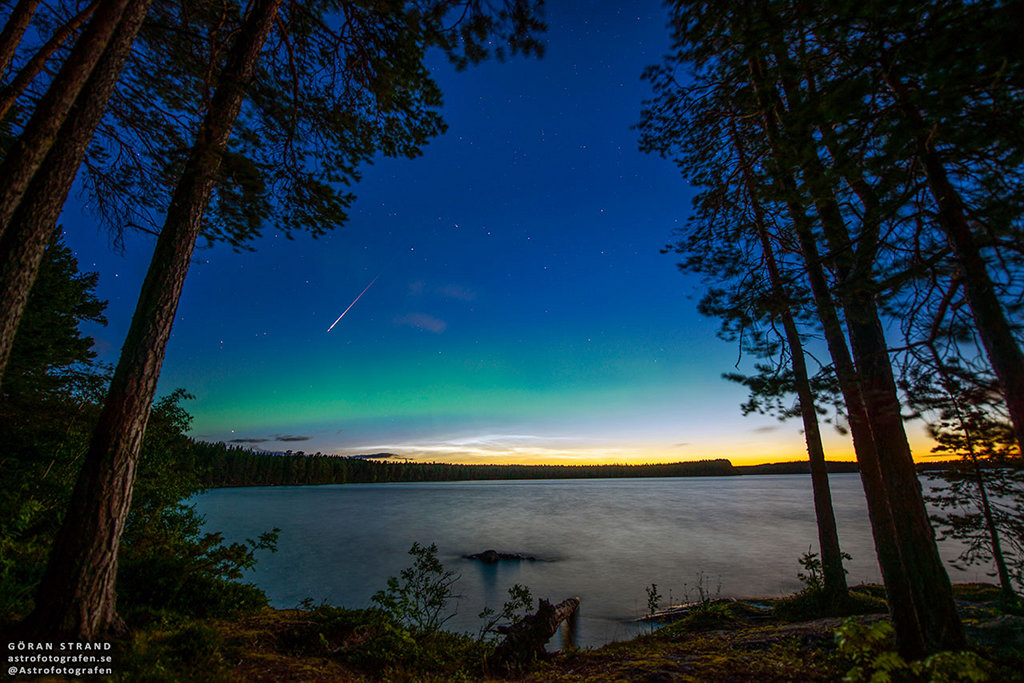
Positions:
{"x": 738, "y": 641}
{"x": 323, "y": 644}
{"x": 784, "y": 639}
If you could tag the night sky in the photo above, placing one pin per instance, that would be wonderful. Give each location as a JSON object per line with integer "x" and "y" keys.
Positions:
{"x": 521, "y": 310}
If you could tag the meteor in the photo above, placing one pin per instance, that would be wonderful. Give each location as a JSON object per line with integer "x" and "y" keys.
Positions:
{"x": 352, "y": 304}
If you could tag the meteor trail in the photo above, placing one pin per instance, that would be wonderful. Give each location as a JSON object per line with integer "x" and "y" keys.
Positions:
{"x": 352, "y": 304}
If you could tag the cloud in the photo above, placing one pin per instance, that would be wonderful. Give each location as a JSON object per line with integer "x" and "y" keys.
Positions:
{"x": 457, "y": 292}
{"x": 276, "y": 437}
{"x": 502, "y": 447}
{"x": 683, "y": 444}
{"x": 376, "y": 456}
{"x": 449, "y": 291}
{"x": 765, "y": 430}
{"x": 101, "y": 346}
{"x": 423, "y": 321}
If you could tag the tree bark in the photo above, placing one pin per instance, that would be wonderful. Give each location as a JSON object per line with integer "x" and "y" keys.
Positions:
{"x": 902, "y": 607}
{"x": 833, "y": 574}
{"x": 940, "y": 624}
{"x": 524, "y": 641}
{"x": 9, "y": 93}
{"x": 76, "y": 597}
{"x": 902, "y": 604}
{"x": 23, "y": 244}
{"x": 28, "y": 152}
{"x": 1003, "y": 352}
{"x": 14, "y": 29}
{"x": 1007, "y": 594}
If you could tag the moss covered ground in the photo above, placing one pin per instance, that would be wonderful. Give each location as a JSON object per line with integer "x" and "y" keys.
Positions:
{"x": 770, "y": 640}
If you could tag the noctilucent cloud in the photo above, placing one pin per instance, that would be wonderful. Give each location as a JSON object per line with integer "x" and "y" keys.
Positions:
{"x": 520, "y": 310}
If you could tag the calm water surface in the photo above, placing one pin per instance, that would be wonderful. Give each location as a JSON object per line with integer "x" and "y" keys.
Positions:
{"x": 602, "y": 539}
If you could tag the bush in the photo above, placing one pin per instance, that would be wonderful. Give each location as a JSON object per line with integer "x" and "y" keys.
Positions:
{"x": 869, "y": 650}
{"x": 813, "y": 605}
{"x": 703, "y": 617}
{"x": 174, "y": 567}
{"x": 518, "y": 605}
{"x": 814, "y": 601}
{"x": 419, "y": 596}
{"x": 375, "y": 640}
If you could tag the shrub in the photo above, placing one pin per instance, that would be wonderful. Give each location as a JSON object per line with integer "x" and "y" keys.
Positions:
{"x": 518, "y": 605}
{"x": 170, "y": 565}
{"x": 375, "y": 640}
{"x": 419, "y": 596}
{"x": 653, "y": 599}
{"x": 869, "y": 650}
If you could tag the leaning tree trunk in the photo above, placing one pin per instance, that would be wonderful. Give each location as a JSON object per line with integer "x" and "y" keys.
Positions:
{"x": 933, "y": 593}
{"x": 24, "y": 242}
{"x": 1001, "y": 348}
{"x": 9, "y": 93}
{"x": 14, "y": 29}
{"x": 930, "y": 582}
{"x": 26, "y": 155}
{"x": 902, "y": 606}
{"x": 77, "y": 597}
{"x": 940, "y": 624}
{"x": 525, "y": 640}
{"x": 833, "y": 574}
{"x": 1007, "y": 593}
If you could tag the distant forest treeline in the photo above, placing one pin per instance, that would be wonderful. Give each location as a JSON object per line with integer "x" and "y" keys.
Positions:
{"x": 220, "y": 465}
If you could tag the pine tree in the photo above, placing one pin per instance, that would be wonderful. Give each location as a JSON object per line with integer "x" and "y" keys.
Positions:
{"x": 391, "y": 109}
{"x": 781, "y": 75}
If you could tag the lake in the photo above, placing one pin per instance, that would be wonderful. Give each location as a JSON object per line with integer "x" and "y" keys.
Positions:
{"x": 604, "y": 540}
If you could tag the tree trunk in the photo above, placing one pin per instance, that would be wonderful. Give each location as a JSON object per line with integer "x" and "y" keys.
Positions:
{"x": 833, "y": 574}
{"x": 23, "y": 244}
{"x": 902, "y": 607}
{"x": 1003, "y": 352}
{"x": 524, "y": 641}
{"x": 9, "y": 94}
{"x": 1007, "y": 594}
{"x": 902, "y": 604}
{"x": 28, "y": 152}
{"x": 14, "y": 29}
{"x": 940, "y": 624}
{"x": 76, "y": 597}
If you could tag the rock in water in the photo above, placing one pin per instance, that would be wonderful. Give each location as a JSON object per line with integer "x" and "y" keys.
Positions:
{"x": 493, "y": 556}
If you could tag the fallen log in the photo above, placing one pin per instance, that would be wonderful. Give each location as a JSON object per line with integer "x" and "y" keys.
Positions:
{"x": 525, "y": 640}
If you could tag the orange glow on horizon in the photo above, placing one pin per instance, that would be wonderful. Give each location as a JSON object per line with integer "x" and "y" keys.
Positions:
{"x": 837, "y": 448}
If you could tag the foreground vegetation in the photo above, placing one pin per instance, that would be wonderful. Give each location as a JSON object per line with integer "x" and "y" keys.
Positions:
{"x": 786, "y": 639}
{"x": 188, "y": 615}
{"x": 857, "y": 168}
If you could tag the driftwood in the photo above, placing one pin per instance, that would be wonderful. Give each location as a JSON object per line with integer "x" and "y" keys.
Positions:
{"x": 677, "y": 612}
{"x": 525, "y": 640}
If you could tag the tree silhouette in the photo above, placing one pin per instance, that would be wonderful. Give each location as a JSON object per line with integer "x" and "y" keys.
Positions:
{"x": 380, "y": 99}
